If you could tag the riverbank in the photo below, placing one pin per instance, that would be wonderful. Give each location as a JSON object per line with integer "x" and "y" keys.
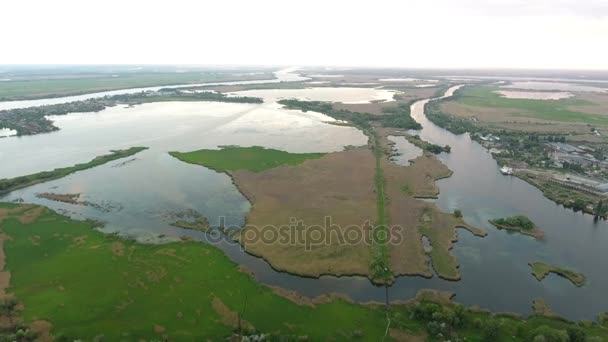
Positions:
{"x": 12, "y": 184}
{"x": 546, "y": 159}
{"x": 95, "y": 284}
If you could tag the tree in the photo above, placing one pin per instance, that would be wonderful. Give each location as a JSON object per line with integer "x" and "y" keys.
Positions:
{"x": 490, "y": 330}
{"x": 576, "y": 334}
{"x": 457, "y": 213}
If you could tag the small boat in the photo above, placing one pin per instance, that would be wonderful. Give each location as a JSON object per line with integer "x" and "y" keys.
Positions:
{"x": 506, "y": 170}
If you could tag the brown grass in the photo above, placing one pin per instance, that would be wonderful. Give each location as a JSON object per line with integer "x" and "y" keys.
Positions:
{"x": 229, "y": 318}
{"x": 299, "y": 299}
{"x": 338, "y": 185}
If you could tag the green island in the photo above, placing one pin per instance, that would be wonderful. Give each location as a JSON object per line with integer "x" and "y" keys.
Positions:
{"x": 540, "y": 270}
{"x": 255, "y": 158}
{"x": 11, "y": 184}
{"x": 519, "y": 223}
{"x": 70, "y": 282}
{"x": 33, "y": 120}
{"x": 427, "y": 146}
{"x": 64, "y": 85}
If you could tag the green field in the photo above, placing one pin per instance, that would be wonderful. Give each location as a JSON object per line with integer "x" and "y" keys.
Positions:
{"x": 256, "y": 159}
{"x": 551, "y": 110}
{"x": 43, "y": 88}
{"x": 88, "y": 284}
{"x": 11, "y": 184}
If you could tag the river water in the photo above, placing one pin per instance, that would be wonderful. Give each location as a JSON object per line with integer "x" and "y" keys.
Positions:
{"x": 137, "y": 197}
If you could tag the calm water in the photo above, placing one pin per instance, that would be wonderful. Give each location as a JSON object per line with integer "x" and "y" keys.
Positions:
{"x": 138, "y": 198}
{"x": 285, "y": 75}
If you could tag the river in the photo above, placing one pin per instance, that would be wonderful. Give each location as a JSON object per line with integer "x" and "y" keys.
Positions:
{"x": 495, "y": 271}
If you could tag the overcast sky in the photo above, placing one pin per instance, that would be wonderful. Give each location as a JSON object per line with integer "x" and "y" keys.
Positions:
{"x": 420, "y": 33}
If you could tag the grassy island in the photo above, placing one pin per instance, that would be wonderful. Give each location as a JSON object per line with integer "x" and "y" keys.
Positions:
{"x": 427, "y": 146}
{"x": 541, "y": 270}
{"x": 255, "y": 158}
{"x": 11, "y": 184}
{"x": 520, "y": 224}
{"x": 71, "y": 282}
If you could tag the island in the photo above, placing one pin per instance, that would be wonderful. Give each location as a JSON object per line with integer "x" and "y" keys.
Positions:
{"x": 520, "y": 224}
{"x": 541, "y": 270}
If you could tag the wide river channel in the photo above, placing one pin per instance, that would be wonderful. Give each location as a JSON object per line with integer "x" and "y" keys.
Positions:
{"x": 139, "y": 196}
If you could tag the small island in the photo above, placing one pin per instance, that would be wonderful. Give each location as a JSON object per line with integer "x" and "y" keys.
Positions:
{"x": 520, "y": 224}
{"x": 541, "y": 270}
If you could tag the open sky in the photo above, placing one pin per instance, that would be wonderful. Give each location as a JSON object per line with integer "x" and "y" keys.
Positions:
{"x": 570, "y": 34}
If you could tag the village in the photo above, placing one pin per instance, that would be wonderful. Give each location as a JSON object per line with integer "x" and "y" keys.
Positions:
{"x": 578, "y": 168}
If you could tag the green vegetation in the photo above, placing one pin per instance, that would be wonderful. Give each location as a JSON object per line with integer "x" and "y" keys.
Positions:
{"x": 560, "y": 194}
{"x": 380, "y": 263}
{"x": 89, "y": 284}
{"x": 554, "y": 110}
{"x": 458, "y": 213}
{"x": 518, "y": 221}
{"x": 33, "y": 120}
{"x": 451, "y": 123}
{"x": 56, "y": 87}
{"x": 541, "y": 270}
{"x": 95, "y": 286}
{"x": 520, "y": 224}
{"x": 255, "y": 158}
{"x": 11, "y": 184}
{"x": 397, "y": 117}
{"x": 427, "y": 146}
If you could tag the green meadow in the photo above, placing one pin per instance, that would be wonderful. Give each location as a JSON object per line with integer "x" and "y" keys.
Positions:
{"x": 256, "y": 159}
{"x": 553, "y": 110}
{"x": 90, "y": 285}
{"x": 55, "y": 87}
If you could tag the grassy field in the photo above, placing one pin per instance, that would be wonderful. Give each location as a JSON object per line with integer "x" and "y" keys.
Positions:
{"x": 11, "y": 184}
{"x": 90, "y": 285}
{"x": 549, "y": 110}
{"x": 231, "y": 158}
{"x": 541, "y": 270}
{"x": 43, "y": 88}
